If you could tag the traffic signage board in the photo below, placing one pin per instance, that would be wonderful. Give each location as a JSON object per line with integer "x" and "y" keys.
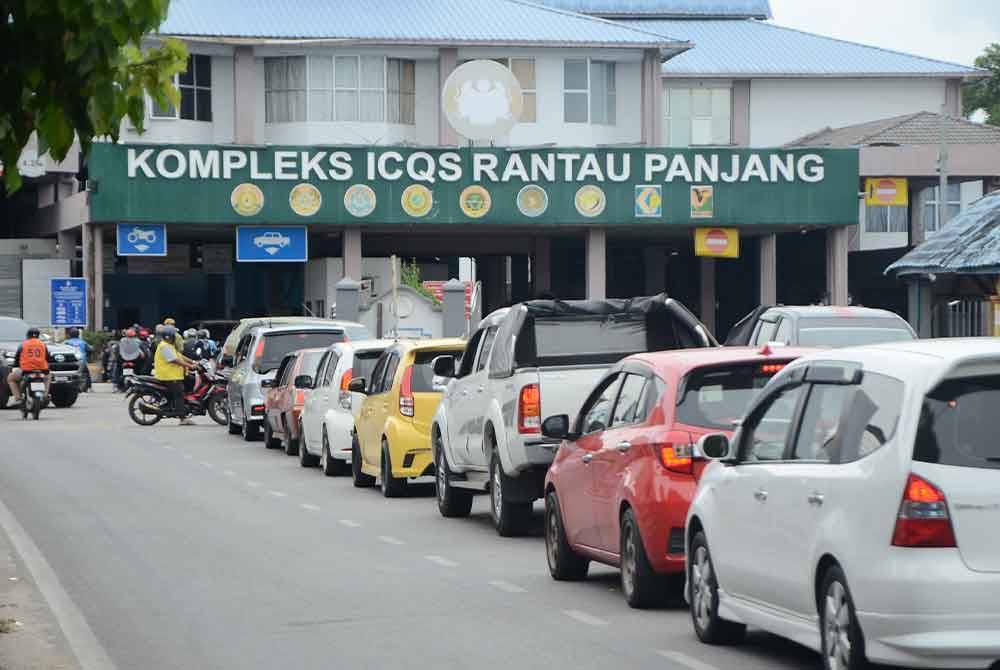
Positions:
{"x": 68, "y": 300}
{"x": 272, "y": 244}
{"x": 148, "y": 239}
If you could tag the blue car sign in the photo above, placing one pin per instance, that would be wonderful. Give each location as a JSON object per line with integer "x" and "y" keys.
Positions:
{"x": 272, "y": 244}
{"x": 148, "y": 239}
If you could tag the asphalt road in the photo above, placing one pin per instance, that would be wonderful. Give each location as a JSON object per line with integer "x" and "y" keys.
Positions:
{"x": 184, "y": 547}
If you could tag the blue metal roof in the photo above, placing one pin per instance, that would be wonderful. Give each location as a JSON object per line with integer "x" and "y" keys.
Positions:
{"x": 403, "y": 21}
{"x": 758, "y": 9}
{"x": 743, "y": 47}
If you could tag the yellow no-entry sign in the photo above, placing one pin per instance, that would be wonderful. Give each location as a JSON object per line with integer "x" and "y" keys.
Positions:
{"x": 890, "y": 191}
{"x": 717, "y": 242}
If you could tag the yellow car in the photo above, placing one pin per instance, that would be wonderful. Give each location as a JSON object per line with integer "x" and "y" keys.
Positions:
{"x": 392, "y": 439}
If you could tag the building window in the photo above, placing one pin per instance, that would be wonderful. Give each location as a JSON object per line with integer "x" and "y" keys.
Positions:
{"x": 589, "y": 92}
{"x": 195, "y": 87}
{"x": 697, "y": 116}
{"x": 885, "y": 219}
{"x": 285, "y": 89}
{"x": 929, "y": 206}
{"x": 401, "y": 87}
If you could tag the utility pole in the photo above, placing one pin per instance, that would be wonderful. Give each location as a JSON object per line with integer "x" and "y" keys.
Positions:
{"x": 942, "y": 166}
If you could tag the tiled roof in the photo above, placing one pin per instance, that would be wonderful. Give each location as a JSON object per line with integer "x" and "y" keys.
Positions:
{"x": 513, "y": 22}
{"x": 758, "y": 9}
{"x": 750, "y": 48}
{"x": 918, "y": 128}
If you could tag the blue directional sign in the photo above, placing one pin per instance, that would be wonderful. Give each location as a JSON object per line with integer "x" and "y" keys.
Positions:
{"x": 148, "y": 239}
{"x": 68, "y": 299}
{"x": 272, "y": 244}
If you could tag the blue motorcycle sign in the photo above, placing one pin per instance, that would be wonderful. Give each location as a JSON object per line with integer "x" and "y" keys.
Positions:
{"x": 149, "y": 239}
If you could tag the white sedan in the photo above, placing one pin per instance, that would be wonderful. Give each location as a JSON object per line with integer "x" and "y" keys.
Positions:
{"x": 857, "y": 509}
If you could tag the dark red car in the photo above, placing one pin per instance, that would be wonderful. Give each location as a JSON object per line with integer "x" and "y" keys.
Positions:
{"x": 284, "y": 400}
{"x": 619, "y": 488}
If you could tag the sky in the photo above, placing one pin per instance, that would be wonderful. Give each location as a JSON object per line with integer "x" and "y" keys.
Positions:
{"x": 952, "y": 30}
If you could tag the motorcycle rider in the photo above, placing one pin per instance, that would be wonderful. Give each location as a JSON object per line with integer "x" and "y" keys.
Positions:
{"x": 32, "y": 356}
{"x": 169, "y": 368}
{"x": 83, "y": 350}
{"x": 130, "y": 349}
{"x": 211, "y": 348}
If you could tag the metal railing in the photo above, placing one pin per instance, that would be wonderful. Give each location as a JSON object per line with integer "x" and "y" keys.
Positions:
{"x": 963, "y": 318}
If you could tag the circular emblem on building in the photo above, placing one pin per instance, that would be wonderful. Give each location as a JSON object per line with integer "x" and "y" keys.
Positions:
{"x": 417, "y": 200}
{"x": 475, "y": 201}
{"x": 359, "y": 200}
{"x": 247, "y": 199}
{"x": 482, "y": 100}
{"x": 532, "y": 200}
{"x": 305, "y": 199}
{"x": 590, "y": 200}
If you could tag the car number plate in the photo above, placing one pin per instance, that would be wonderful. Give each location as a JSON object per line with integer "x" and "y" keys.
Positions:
{"x": 37, "y": 387}
{"x": 128, "y": 372}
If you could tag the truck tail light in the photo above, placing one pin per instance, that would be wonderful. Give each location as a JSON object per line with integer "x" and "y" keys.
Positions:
{"x": 259, "y": 352}
{"x": 529, "y": 410}
{"x": 923, "y": 519}
{"x": 406, "y": 393}
{"x": 300, "y": 397}
{"x": 677, "y": 457}
{"x": 345, "y": 393}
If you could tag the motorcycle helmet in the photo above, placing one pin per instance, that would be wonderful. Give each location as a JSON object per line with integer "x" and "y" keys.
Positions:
{"x": 204, "y": 334}
{"x": 169, "y": 332}
{"x": 130, "y": 332}
{"x": 33, "y": 332}
{"x": 73, "y": 332}
{"x": 190, "y": 333}
{"x": 144, "y": 333}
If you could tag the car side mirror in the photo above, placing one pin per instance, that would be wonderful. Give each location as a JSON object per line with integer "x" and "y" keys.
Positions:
{"x": 268, "y": 383}
{"x": 714, "y": 446}
{"x": 556, "y": 427}
{"x": 444, "y": 366}
{"x": 357, "y": 385}
{"x": 303, "y": 382}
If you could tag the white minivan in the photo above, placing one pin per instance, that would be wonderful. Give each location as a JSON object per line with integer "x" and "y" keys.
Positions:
{"x": 857, "y": 509}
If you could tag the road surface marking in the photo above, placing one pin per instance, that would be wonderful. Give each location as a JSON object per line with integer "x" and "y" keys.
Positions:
{"x": 205, "y": 465}
{"x": 278, "y": 494}
{"x": 389, "y": 539}
{"x": 583, "y": 617}
{"x": 441, "y": 560}
{"x": 252, "y": 484}
{"x": 87, "y": 649}
{"x": 349, "y": 523}
{"x": 685, "y": 660}
{"x": 188, "y": 457}
{"x": 507, "y": 586}
{"x": 168, "y": 447}
{"x": 229, "y": 473}
{"x": 311, "y": 508}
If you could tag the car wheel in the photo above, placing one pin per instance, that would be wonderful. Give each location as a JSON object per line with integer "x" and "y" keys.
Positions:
{"x": 331, "y": 466}
{"x": 392, "y": 487}
{"x": 290, "y": 444}
{"x": 306, "y": 459}
{"x": 509, "y": 518}
{"x": 565, "y": 565}
{"x": 250, "y": 431}
{"x": 65, "y": 398}
{"x": 235, "y": 428}
{"x": 843, "y": 641}
{"x": 451, "y": 502}
{"x": 361, "y": 480}
{"x": 641, "y": 585}
{"x": 704, "y": 585}
{"x": 270, "y": 441}
{"x": 4, "y": 392}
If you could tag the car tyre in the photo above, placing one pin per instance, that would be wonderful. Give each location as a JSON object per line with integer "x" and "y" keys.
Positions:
{"x": 641, "y": 585}
{"x": 306, "y": 459}
{"x": 842, "y": 639}
{"x": 361, "y": 479}
{"x": 452, "y": 502}
{"x": 331, "y": 466}
{"x": 509, "y": 518}
{"x": 290, "y": 444}
{"x": 565, "y": 565}
{"x": 66, "y": 398}
{"x": 708, "y": 625}
{"x": 270, "y": 441}
{"x": 392, "y": 487}
{"x": 250, "y": 431}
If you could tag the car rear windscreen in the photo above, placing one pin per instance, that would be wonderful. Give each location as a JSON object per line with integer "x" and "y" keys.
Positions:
{"x": 276, "y": 345}
{"x": 364, "y": 363}
{"x": 717, "y": 397}
{"x": 310, "y": 363}
{"x": 423, "y": 369}
{"x": 956, "y": 423}
{"x": 850, "y": 332}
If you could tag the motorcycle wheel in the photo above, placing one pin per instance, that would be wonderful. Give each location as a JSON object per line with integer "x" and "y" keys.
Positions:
{"x": 24, "y": 403}
{"x": 36, "y": 407}
{"x": 139, "y": 406}
{"x": 218, "y": 410}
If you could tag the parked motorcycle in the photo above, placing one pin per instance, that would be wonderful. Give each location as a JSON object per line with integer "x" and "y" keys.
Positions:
{"x": 32, "y": 394}
{"x": 148, "y": 400}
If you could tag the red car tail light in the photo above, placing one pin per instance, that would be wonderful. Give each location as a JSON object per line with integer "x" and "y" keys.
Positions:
{"x": 345, "y": 393}
{"x": 923, "y": 519}
{"x": 677, "y": 457}
{"x": 300, "y": 397}
{"x": 529, "y": 410}
{"x": 406, "y": 393}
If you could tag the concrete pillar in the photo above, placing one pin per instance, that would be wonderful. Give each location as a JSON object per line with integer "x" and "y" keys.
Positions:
{"x": 352, "y": 253}
{"x": 651, "y": 98}
{"x": 920, "y": 301}
{"x": 953, "y": 97}
{"x": 447, "y": 62}
{"x": 348, "y": 299}
{"x": 244, "y": 95}
{"x": 98, "y": 271}
{"x": 767, "y": 273}
{"x": 520, "y": 276}
{"x": 454, "y": 308}
{"x": 707, "y": 302}
{"x": 541, "y": 267}
{"x": 836, "y": 265}
{"x": 597, "y": 268}
{"x": 67, "y": 244}
{"x": 655, "y": 262}
{"x": 741, "y": 113}
{"x": 492, "y": 271}
{"x": 87, "y": 236}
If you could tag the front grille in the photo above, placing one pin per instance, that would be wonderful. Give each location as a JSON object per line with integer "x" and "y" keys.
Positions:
{"x": 676, "y": 543}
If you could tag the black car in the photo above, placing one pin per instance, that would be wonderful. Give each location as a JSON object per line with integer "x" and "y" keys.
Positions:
{"x": 64, "y": 364}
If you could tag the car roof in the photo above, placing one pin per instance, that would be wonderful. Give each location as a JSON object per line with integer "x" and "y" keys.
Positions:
{"x": 832, "y": 311}
{"x": 443, "y": 343}
{"x": 364, "y": 345}
{"x": 679, "y": 362}
{"x": 297, "y": 328}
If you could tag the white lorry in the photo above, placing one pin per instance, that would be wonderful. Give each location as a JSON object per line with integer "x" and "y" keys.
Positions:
{"x": 535, "y": 359}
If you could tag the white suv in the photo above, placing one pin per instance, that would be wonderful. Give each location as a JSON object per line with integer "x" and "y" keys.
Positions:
{"x": 857, "y": 510}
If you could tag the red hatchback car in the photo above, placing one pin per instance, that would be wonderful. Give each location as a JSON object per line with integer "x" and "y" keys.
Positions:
{"x": 284, "y": 401}
{"x": 619, "y": 488}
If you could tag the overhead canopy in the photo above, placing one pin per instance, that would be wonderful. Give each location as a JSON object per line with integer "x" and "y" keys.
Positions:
{"x": 968, "y": 244}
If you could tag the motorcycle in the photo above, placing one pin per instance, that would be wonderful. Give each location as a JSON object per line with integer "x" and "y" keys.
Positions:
{"x": 32, "y": 394}
{"x": 148, "y": 400}
{"x": 129, "y": 374}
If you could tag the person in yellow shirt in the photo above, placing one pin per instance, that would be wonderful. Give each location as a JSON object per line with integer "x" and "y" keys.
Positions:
{"x": 170, "y": 368}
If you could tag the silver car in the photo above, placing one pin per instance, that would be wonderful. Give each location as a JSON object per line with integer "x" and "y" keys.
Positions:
{"x": 257, "y": 358}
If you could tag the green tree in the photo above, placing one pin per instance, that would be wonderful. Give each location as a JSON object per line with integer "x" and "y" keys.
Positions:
{"x": 76, "y": 67}
{"x": 984, "y": 92}
{"x": 410, "y": 276}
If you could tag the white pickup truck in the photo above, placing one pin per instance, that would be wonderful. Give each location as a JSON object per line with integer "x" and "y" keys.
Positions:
{"x": 526, "y": 362}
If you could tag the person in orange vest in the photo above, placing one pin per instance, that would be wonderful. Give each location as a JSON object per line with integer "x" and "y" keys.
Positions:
{"x": 31, "y": 356}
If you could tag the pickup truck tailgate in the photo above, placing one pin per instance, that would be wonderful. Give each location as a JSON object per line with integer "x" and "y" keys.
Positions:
{"x": 563, "y": 389}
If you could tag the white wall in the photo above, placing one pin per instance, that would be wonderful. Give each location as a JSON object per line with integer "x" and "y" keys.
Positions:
{"x": 782, "y": 110}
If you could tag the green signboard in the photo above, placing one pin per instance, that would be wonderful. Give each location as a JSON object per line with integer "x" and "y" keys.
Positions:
{"x": 202, "y": 184}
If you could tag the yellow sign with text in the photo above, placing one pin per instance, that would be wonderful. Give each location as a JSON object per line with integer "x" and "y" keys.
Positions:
{"x": 717, "y": 242}
{"x": 890, "y": 191}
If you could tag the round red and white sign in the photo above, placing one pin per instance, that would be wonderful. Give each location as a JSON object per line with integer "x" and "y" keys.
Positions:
{"x": 716, "y": 240}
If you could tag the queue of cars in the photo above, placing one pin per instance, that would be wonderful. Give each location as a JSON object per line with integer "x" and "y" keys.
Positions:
{"x": 847, "y": 499}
